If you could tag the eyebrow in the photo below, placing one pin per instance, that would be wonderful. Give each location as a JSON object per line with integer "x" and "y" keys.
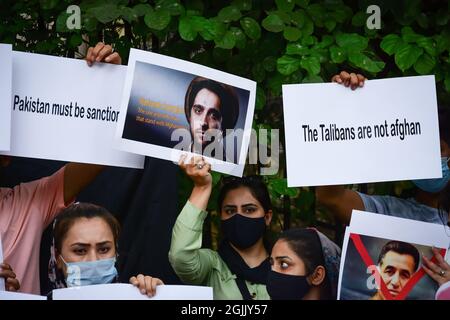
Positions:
{"x": 244, "y": 205}
{"x": 88, "y": 244}
{"x": 282, "y": 257}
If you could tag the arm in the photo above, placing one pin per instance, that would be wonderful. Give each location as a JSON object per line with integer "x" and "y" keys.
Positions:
{"x": 77, "y": 176}
{"x": 339, "y": 201}
{"x": 190, "y": 262}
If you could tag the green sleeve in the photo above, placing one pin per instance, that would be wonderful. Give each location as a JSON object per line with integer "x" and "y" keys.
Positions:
{"x": 192, "y": 264}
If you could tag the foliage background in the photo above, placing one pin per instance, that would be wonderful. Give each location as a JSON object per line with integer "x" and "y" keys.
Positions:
{"x": 271, "y": 42}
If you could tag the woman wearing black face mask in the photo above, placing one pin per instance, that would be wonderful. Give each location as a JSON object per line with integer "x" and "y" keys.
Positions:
{"x": 239, "y": 270}
{"x": 305, "y": 266}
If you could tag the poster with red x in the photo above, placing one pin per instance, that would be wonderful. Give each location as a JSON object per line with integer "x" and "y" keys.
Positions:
{"x": 383, "y": 258}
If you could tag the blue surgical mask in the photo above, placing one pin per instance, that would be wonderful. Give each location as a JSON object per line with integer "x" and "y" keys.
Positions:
{"x": 90, "y": 272}
{"x": 435, "y": 185}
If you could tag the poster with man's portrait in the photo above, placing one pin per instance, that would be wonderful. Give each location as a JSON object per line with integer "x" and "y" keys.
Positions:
{"x": 383, "y": 258}
{"x": 171, "y": 107}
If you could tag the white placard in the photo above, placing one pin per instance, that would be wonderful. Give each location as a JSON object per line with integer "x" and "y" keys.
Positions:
{"x": 327, "y": 132}
{"x": 6, "y": 295}
{"x": 368, "y": 236}
{"x": 123, "y": 291}
{"x": 153, "y": 107}
{"x": 5, "y": 95}
{"x": 64, "y": 110}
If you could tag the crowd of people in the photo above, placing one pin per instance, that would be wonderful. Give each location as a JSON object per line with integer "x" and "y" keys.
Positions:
{"x": 303, "y": 263}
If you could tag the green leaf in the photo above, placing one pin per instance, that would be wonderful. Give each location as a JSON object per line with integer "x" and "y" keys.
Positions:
{"x": 285, "y": 5}
{"x": 292, "y": 33}
{"x": 270, "y": 64}
{"x": 424, "y": 64}
{"x": 89, "y": 23}
{"x": 142, "y": 9}
{"x": 297, "y": 48}
{"x": 326, "y": 42}
{"x": 227, "y": 42}
{"x": 251, "y": 28}
{"x": 258, "y": 72}
{"x": 75, "y": 40}
{"x": 298, "y": 18}
{"x": 407, "y": 56}
{"x": 311, "y": 64}
{"x": 364, "y": 62}
{"x": 309, "y": 40}
{"x": 280, "y": 187}
{"x": 214, "y": 30}
{"x": 308, "y": 27}
{"x": 229, "y": 14}
{"x": 330, "y": 25}
{"x": 61, "y": 22}
{"x": 409, "y": 36}
{"x": 423, "y": 20}
{"x": 105, "y": 13}
{"x": 241, "y": 39}
{"x": 173, "y": 7}
{"x": 273, "y": 23}
{"x": 337, "y": 54}
{"x": 442, "y": 43}
{"x": 428, "y": 44}
{"x": 186, "y": 29}
{"x": 48, "y": 4}
{"x": 359, "y": 19}
{"x": 128, "y": 14}
{"x": 243, "y": 5}
{"x": 447, "y": 84}
{"x": 302, "y": 3}
{"x": 312, "y": 79}
{"x": 260, "y": 98}
{"x": 352, "y": 41}
{"x": 158, "y": 19}
{"x": 391, "y": 43}
{"x": 287, "y": 64}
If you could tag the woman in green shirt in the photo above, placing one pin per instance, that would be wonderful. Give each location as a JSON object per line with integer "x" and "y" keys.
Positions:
{"x": 239, "y": 269}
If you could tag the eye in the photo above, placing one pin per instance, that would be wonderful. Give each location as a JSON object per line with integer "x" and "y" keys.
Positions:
{"x": 250, "y": 210}
{"x": 284, "y": 265}
{"x": 230, "y": 211}
{"x": 198, "y": 109}
{"x": 80, "y": 251}
{"x": 104, "y": 250}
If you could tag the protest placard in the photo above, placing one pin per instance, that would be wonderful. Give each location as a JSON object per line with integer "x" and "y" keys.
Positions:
{"x": 386, "y": 131}
{"x": 64, "y": 110}
{"x": 170, "y": 106}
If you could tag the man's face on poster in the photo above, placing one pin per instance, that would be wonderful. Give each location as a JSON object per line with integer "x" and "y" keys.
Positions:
{"x": 205, "y": 115}
{"x": 396, "y": 270}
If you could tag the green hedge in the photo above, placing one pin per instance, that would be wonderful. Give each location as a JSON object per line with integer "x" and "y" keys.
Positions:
{"x": 271, "y": 42}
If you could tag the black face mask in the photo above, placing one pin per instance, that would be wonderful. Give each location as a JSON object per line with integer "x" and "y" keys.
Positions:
{"x": 243, "y": 232}
{"x": 282, "y": 286}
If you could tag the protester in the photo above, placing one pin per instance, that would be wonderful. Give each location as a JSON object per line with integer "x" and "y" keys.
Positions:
{"x": 28, "y": 208}
{"x": 305, "y": 266}
{"x": 423, "y": 207}
{"x": 239, "y": 269}
{"x": 85, "y": 247}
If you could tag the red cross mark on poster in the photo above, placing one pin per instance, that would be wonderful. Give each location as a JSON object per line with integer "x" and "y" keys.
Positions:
{"x": 369, "y": 262}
